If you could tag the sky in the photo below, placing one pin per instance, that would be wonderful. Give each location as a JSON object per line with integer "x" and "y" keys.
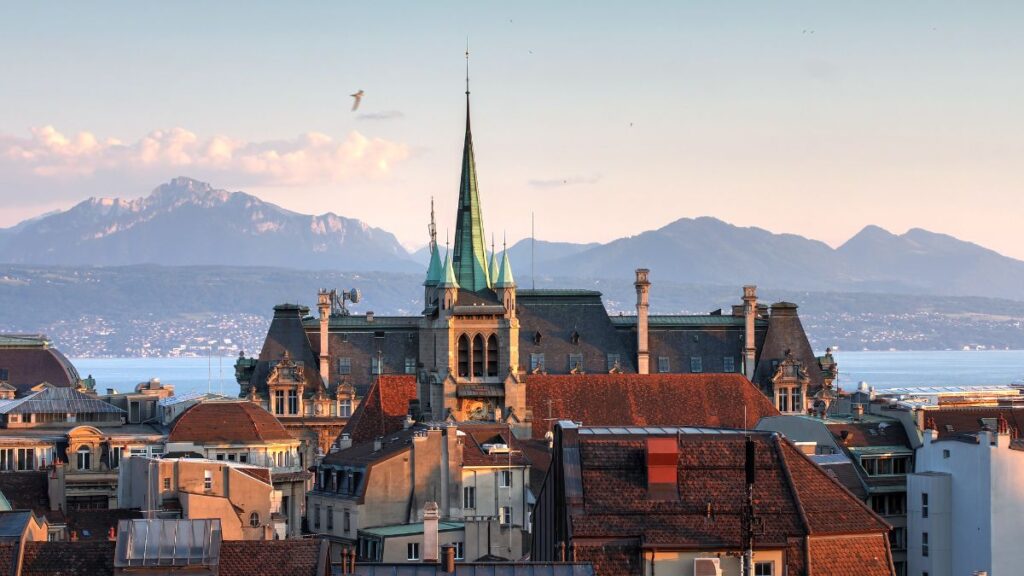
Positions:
{"x": 600, "y": 119}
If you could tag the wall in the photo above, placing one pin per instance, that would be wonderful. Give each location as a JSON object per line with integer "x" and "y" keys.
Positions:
{"x": 388, "y": 491}
{"x": 681, "y": 563}
{"x": 396, "y": 548}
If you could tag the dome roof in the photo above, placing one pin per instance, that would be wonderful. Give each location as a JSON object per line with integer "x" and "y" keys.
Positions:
{"x": 227, "y": 422}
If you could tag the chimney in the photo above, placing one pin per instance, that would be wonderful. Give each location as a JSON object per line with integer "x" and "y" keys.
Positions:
{"x": 378, "y": 443}
{"x": 345, "y": 441}
{"x": 324, "y": 306}
{"x": 448, "y": 559}
{"x": 662, "y": 468}
{"x": 749, "y": 336}
{"x": 643, "y": 293}
{"x": 430, "y": 518}
{"x": 369, "y": 316}
{"x": 858, "y": 412}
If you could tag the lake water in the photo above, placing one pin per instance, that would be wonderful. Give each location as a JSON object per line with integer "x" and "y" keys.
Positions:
{"x": 880, "y": 369}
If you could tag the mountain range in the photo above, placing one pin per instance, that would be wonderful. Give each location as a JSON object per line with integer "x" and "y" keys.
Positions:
{"x": 187, "y": 222}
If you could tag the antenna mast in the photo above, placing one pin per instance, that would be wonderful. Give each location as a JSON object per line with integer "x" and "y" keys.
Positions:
{"x": 432, "y": 228}
{"x": 533, "y": 252}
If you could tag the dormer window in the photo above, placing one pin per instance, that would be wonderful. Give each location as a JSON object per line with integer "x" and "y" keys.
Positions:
{"x": 574, "y": 338}
{"x": 536, "y": 338}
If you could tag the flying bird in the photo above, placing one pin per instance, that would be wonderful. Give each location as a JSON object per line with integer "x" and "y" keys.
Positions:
{"x": 358, "y": 98}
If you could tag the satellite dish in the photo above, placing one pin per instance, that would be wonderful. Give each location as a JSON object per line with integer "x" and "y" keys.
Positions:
{"x": 354, "y": 295}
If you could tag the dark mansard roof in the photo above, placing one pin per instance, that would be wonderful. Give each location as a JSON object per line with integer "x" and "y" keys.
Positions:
{"x": 30, "y": 360}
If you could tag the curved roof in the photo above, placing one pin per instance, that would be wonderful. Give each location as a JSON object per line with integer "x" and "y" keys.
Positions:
{"x": 30, "y": 360}
{"x": 227, "y": 422}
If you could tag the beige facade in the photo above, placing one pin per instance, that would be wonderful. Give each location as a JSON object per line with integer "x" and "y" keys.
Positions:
{"x": 681, "y": 562}
{"x": 238, "y": 495}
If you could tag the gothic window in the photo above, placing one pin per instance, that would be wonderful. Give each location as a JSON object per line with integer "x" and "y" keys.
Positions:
{"x": 478, "y": 356}
{"x": 492, "y": 355}
{"x": 463, "y": 356}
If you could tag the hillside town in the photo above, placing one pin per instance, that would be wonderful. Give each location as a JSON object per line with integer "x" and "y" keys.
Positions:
{"x": 507, "y": 427}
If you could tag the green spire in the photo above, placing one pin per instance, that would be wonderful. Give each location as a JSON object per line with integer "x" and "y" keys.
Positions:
{"x": 434, "y": 269}
{"x": 448, "y": 279}
{"x": 470, "y": 258}
{"x": 505, "y": 279}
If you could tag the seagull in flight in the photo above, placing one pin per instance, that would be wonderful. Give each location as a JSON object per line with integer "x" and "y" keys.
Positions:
{"x": 358, "y": 98}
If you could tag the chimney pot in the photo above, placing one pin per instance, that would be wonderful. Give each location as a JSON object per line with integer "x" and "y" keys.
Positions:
{"x": 448, "y": 555}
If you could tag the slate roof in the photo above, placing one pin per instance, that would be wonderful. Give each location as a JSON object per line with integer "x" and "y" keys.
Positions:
{"x": 58, "y": 400}
{"x": 796, "y": 499}
{"x": 287, "y": 334}
{"x": 384, "y": 408}
{"x": 365, "y": 453}
{"x": 710, "y": 400}
{"x": 239, "y": 421}
{"x": 29, "y": 491}
{"x": 30, "y": 360}
{"x": 785, "y": 332}
{"x": 12, "y": 523}
{"x": 8, "y": 552}
{"x": 870, "y": 433}
{"x": 556, "y": 316}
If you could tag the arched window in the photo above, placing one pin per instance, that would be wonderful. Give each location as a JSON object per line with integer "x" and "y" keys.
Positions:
{"x": 84, "y": 458}
{"x": 254, "y": 519}
{"x": 463, "y": 356}
{"x": 478, "y": 356}
{"x": 492, "y": 355}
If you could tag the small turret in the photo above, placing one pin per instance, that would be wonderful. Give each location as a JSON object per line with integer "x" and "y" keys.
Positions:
{"x": 448, "y": 288}
{"x": 505, "y": 284}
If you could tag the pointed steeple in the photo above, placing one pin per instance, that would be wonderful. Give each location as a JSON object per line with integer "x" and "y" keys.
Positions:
{"x": 434, "y": 268}
{"x": 492, "y": 268}
{"x": 504, "y": 278}
{"x": 448, "y": 277}
{"x": 470, "y": 257}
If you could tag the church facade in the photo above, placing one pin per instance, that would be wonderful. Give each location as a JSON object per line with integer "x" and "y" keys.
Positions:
{"x": 480, "y": 337}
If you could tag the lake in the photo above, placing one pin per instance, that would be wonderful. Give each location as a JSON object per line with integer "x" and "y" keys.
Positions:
{"x": 879, "y": 369}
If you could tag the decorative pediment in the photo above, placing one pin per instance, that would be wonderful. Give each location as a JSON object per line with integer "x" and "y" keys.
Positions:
{"x": 790, "y": 372}
{"x": 286, "y": 371}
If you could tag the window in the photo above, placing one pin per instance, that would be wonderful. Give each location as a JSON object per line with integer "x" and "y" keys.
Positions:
{"x": 505, "y": 515}
{"x": 220, "y": 456}
{"x": 330, "y": 517}
{"x": 897, "y": 538}
{"x": 504, "y": 478}
{"x": 84, "y": 458}
{"x": 410, "y": 365}
{"x": 316, "y": 516}
{"x": 375, "y": 363}
{"x": 613, "y": 362}
{"x": 207, "y": 480}
{"x": 254, "y": 519}
{"x": 536, "y": 362}
{"x": 924, "y": 505}
{"x": 478, "y": 356}
{"x": 663, "y": 364}
{"x": 115, "y": 456}
{"x": 293, "y": 402}
{"x": 764, "y": 569}
{"x": 696, "y": 365}
{"x": 412, "y": 551}
{"x": 5, "y": 374}
{"x": 575, "y": 361}
{"x": 167, "y": 483}
{"x": 348, "y": 521}
{"x": 463, "y": 368}
{"x": 346, "y": 408}
{"x": 278, "y": 401}
{"x": 460, "y": 550}
{"x": 492, "y": 355}
{"x": 27, "y": 459}
{"x": 243, "y": 457}
{"x": 469, "y": 497}
{"x": 728, "y": 364}
{"x": 924, "y": 544}
{"x": 344, "y": 365}
{"x": 945, "y": 453}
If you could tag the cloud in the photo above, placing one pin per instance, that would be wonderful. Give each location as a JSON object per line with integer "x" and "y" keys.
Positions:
{"x": 567, "y": 181}
{"x": 309, "y": 159}
{"x": 385, "y": 115}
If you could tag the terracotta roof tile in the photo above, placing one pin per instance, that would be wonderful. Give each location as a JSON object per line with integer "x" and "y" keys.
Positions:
{"x": 384, "y": 408}
{"x": 217, "y": 421}
{"x": 859, "y": 555}
{"x": 68, "y": 558}
{"x": 477, "y": 435}
{"x": 967, "y": 420}
{"x": 269, "y": 557}
{"x": 709, "y": 400}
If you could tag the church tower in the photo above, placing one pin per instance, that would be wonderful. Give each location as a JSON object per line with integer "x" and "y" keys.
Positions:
{"x": 469, "y": 341}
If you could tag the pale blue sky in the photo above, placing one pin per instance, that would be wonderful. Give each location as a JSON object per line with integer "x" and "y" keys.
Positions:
{"x": 605, "y": 119}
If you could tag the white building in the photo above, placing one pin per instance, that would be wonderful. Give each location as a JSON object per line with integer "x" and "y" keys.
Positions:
{"x": 965, "y": 502}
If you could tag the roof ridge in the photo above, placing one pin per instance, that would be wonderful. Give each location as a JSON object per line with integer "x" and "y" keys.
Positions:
{"x": 777, "y": 443}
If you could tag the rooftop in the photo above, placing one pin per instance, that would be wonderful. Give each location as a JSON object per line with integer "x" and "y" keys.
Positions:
{"x": 235, "y": 421}
{"x": 396, "y": 530}
{"x": 54, "y": 400}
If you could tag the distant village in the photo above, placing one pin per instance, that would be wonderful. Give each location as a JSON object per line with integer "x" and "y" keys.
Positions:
{"x": 503, "y": 430}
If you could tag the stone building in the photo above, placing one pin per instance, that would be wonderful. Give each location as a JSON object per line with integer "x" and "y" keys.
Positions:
{"x": 480, "y": 335}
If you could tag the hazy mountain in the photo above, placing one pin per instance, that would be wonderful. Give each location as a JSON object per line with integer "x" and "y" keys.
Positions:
{"x": 186, "y": 222}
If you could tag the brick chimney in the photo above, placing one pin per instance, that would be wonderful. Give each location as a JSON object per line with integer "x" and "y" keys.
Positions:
{"x": 448, "y": 559}
{"x": 324, "y": 306}
{"x": 662, "y": 468}
{"x": 749, "y": 335}
{"x": 643, "y": 293}
{"x": 430, "y": 541}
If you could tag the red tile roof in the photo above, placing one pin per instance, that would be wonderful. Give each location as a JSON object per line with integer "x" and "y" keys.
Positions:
{"x": 967, "y": 420}
{"x": 269, "y": 557}
{"x": 68, "y": 558}
{"x": 857, "y": 555}
{"x": 384, "y": 408}
{"x": 476, "y": 435}
{"x": 217, "y": 421}
{"x": 709, "y": 400}
{"x": 795, "y": 497}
